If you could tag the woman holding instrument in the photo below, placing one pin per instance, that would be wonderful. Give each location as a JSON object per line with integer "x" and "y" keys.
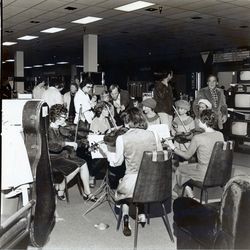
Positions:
{"x": 60, "y": 161}
{"x": 203, "y": 145}
{"x": 130, "y": 147}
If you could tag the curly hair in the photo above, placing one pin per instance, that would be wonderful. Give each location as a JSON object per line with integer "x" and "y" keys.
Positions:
{"x": 99, "y": 108}
{"x": 134, "y": 118}
{"x": 209, "y": 117}
{"x": 56, "y": 111}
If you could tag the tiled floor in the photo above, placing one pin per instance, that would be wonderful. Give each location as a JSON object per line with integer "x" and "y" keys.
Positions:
{"x": 75, "y": 231}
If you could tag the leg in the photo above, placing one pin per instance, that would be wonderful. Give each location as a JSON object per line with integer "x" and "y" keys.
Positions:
{"x": 166, "y": 221}
{"x": 136, "y": 228}
{"x": 84, "y": 173}
{"x": 119, "y": 219}
{"x": 126, "y": 226}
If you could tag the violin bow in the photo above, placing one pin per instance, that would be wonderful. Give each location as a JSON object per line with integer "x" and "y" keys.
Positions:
{"x": 77, "y": 125}
{"x": 175, "y": 110}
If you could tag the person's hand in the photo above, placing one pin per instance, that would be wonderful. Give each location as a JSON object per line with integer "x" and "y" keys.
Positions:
{"x": 224, "y": 118}
{"x": 122, "y": 107}
{"x": 170, "y": 144}
{"x": 102, "y": 149}
{"x": 71, "y": 144}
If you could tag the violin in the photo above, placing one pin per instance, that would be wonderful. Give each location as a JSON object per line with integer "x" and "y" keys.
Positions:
{"x": 183, "y": 137}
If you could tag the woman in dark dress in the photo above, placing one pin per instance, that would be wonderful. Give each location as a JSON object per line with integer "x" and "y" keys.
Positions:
{"x": 62, "y": 159}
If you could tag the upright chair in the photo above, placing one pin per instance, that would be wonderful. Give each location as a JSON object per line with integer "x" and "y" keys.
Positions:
{"x": 219, "y": 169}
{"x": 199, "y": 226}
{"x": 153, "y": 185}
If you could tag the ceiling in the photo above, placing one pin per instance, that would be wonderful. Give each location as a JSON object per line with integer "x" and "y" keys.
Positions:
{"x": 125, "y": 36}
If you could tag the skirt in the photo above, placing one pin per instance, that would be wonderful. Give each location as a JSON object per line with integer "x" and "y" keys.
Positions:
{"x": 126, "y": 187}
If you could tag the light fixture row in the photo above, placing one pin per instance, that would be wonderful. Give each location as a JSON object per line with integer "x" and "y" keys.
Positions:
{"x": 89, "y": 19}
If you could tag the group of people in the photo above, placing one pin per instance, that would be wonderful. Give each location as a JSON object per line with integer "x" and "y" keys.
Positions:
{"x": 114, "y": 109}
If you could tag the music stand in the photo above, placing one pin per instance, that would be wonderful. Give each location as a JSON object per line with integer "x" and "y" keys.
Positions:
{"x": 107, "y": 195}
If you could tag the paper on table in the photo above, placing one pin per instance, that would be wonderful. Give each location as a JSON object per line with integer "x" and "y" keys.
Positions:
{"x": 161, "y": 129}
{"x": 93, "y": 138}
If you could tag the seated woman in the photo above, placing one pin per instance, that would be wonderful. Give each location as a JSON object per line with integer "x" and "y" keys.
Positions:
{"x": 152, "y": 117}
{"x": 130, "y": 147}
{"x": 105, "y": 97}
{"x": 203, "y": 104}
{"x": 101, "y": 122}
{"x": 59, "y": 155}
{"x": 203, "y": 145}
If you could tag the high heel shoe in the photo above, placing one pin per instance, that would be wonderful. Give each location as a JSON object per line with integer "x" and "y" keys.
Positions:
{"x": 142, "y": 219}
{"x": 61, "y": 195}
{"x": 89, "y": 197}
{"x": 126, "y": 226}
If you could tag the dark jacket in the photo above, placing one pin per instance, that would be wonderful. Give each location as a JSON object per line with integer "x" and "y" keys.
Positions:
{"x": 164, "y": 98}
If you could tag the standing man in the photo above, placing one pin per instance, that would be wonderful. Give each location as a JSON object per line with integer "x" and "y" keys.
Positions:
{"x": 68, "y": 101}
{"x": 39, "y": 89}
{"x": 216, "y": 97}
{"x": 120, "y": 101}
{"x": 52, "y": 95}
{"x": 82, "y": 99}
{"x": 163, "y": 95}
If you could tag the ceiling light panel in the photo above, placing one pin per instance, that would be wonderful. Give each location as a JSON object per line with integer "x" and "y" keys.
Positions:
{"x": 62, "y": 62}
{"x": 27, "y": 38}
{"x": 134, "y": 6}
{"x": 9, "y": 43}
{"x": 86, "y": 20}
{"x": 52, "y": 30}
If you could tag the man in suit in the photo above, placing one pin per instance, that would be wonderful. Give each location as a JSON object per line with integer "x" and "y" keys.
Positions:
{"x": 216, "y": 97}
{"x": 120, "y": 100}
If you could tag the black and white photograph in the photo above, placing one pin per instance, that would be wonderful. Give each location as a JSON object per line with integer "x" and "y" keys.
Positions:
{"x": 125, "y": 124}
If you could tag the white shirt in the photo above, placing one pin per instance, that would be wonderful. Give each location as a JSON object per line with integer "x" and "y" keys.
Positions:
{"x": 52, "y": 96}
{"x": 82, "y": 99}
{"x": 117, "y": 103}
{"x": 37, "y": 92}
{"x": 116, "y": 159}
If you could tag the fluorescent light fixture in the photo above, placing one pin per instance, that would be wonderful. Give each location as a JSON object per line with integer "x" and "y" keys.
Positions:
{"x": 62, "y": 62}
{"x": 53, "y": 30}
{"x": 9, "y": 43}
{"x": 79, "y": 66}
{"x": 134, "y": 6}
{"x": 49, "y": 64}
{"x": 26, "y": 38}
{"x": 37, "y": 66}
{"x": 3, "y": 62}
{"x": 88, "y": 19}
{"x": 10, "y": 60}
{"x": 28, "y": 67}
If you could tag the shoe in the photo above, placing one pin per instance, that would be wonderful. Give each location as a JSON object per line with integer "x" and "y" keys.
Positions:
{"x": 126, "y": 226}
{"x": 92, "y": 182}
{"x": 61, "y": 195}
{"x": 89, "y": 197}
{"x": 189, "y": 192}
{"x": 142, "y": 219}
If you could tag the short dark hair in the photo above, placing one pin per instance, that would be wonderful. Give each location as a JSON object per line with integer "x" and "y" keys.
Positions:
{"x": 114, "y": 86}
{"x": 74, "y": 84}
{"x": 86, "y": 81}
{"x": 134, "y": 118}
{"x": 56, "y": 111}
{"x": 213, "y": 75}
{"x": 209, "y": 117}
{"x": 159, "y": 76}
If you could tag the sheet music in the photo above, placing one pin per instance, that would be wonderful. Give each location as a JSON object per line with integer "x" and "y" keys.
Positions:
{"x": 93, "y": 138}
{"x": 161, "y": 129}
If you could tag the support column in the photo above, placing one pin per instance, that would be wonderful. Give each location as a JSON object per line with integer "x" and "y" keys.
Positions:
{"x": 90, "y": 53}
{"x": 19, "y": 72}
{"x": 73, "y": 72}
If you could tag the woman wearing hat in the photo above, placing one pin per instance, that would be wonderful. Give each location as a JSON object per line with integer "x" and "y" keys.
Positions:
{"x": 182, "y": 123}
{"x": 152, "y": 117}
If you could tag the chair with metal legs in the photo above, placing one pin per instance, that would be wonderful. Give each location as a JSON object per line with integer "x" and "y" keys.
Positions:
{"x": 153, "y": 185}
{"x": 219, "y": 169}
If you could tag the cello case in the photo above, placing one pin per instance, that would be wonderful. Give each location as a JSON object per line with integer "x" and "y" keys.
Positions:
{"x": 35, "y": 121}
